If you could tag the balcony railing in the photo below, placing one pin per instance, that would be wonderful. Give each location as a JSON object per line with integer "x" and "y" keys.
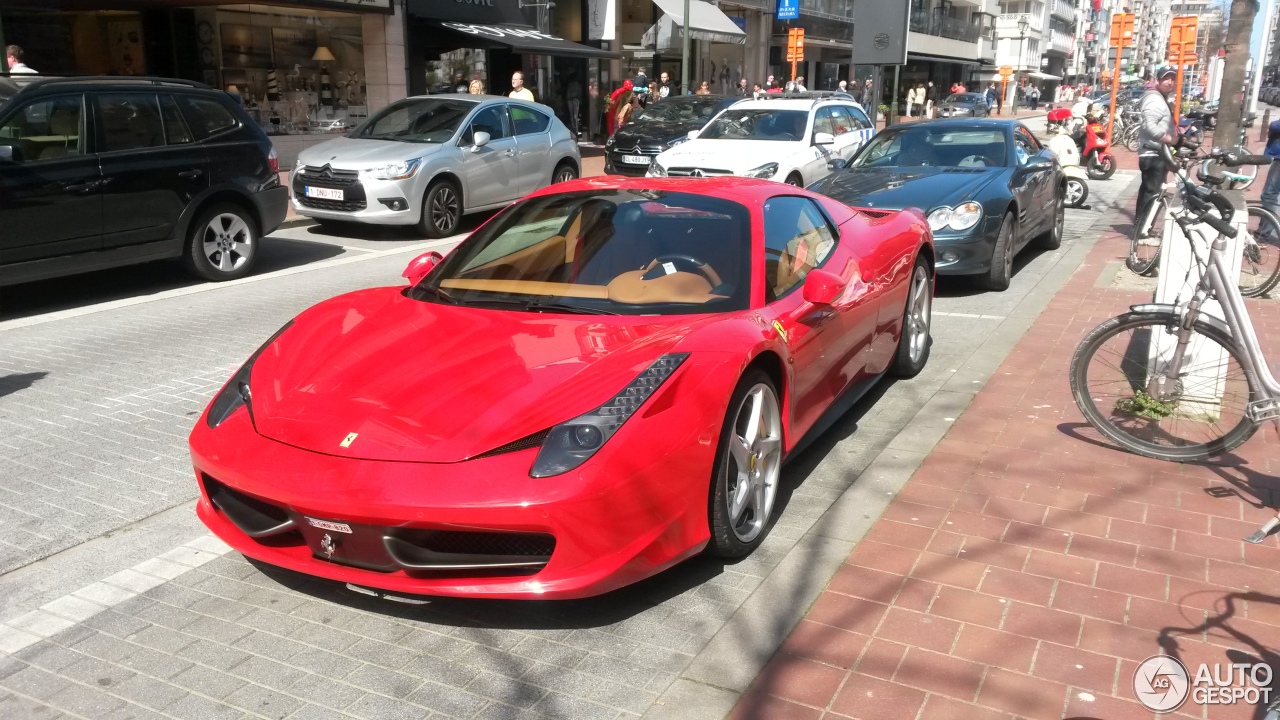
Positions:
{"x": 1063, "y": 9}
{"x": 1059, "y": 41}
{"x": 947, "y": 27}
{"x": 1007, "y": 25}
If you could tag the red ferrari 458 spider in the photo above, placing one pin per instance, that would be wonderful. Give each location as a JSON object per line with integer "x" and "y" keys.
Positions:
{"x": 600, "y": 382}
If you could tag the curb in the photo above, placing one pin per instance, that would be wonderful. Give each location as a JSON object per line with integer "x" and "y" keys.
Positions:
{"x": 715, "y": 680}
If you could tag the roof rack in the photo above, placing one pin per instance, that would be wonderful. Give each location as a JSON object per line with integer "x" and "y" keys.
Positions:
{"x": 42, "y": 81}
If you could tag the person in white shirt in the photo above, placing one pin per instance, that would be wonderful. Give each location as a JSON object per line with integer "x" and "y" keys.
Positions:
{"x": 518, "y": 90}
{"x": 13, "y": 56}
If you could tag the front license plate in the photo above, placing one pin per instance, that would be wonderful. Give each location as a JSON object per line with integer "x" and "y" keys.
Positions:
{"x": 323, "y": 193}
{"x": 635, "y": 159}
{"x": 328, "y": 525}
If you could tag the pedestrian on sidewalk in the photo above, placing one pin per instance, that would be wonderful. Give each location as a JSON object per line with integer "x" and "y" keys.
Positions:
{"x": 930, "y": 99}
{"x": 518, "y": 90}
{"x": 1155, "y": 132}
{"x": 1271, "y": 190}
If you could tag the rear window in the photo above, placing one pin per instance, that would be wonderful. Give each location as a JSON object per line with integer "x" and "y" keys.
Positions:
{"x": 207, "y": 116}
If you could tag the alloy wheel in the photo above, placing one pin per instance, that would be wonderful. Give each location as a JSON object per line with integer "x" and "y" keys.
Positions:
{"x": 227, "y": 242}
{"x": 444, "y": 209}
{"x": 565, "y": 174}
{"x": 1074, "y": 192}
{"x": 918, "y": 314}
{"x": 754, "y": 462}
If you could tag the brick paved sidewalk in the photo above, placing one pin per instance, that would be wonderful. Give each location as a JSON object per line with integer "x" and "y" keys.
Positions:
{"x": 1028, "y": 566}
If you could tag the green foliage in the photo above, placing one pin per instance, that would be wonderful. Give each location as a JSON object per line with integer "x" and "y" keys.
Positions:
{"x": 1143, "y": 405}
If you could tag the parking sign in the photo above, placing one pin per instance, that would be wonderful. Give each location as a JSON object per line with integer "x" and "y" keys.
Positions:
{"x": 788, "y": 10}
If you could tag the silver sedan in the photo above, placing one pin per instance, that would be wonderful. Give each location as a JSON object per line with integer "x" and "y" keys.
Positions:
{"x": 428, "y": 160}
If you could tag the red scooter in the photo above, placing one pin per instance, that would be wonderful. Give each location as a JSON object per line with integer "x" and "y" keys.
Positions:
{"x": 1093, "y": 143}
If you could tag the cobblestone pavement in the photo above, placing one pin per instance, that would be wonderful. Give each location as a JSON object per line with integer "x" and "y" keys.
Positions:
{"x": 115, "y": 603}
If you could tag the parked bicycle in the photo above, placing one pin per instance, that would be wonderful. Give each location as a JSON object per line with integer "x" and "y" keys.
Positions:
{"x": 1167, "y": 380}
{"x": 1260, "y": 266}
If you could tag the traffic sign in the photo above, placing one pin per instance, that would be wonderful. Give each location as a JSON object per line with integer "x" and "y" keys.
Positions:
{"x": 1121, "y": 29}
{"x": 1182, "y": 52}
{"x": 795, "y": 45}
{"x": 1006, "y": 71}
{"x": 787, "y": 10}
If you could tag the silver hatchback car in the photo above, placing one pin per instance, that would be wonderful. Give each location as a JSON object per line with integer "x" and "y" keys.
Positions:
{"x": 427, "y": 160}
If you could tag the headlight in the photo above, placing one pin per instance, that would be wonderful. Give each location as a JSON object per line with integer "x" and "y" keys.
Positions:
{"x": 235, "y": 394}
{"x": 609, "y": 143}
{"x": 766, "y": 171}
{"x": 939, "y": 219}
{"x": 572, "y": 443}
{"x": 394, "y": 171}
{"x": 297, "y": 167}
{"x": 656, "y": 170}
{"x": 965, "y": 216}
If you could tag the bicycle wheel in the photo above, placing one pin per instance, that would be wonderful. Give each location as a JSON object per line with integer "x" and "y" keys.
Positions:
{"x": 1119, "y": 379}
{"x": 1145, "y": 239}
{"x": 1260, "y": 265}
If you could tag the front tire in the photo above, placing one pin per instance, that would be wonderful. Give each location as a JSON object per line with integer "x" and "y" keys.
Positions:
{"x": 1186, "y": 421}
{"x": 744, "y": 479}
{"x": 1077, "y": 192}
{"x": 1051, "y": 239}
{"x": 1099, "y": 167}
{"x": 565, "y": 172}
{"x": 795, "y": 180}
{"x": 1001, "y": 272}
{"x": 223, "y": 243}
{"x": 1144, "y": 252}
{"x": 1260, "y": 267}
{"x": 916, "y": 337}
{"x": 441, "y": 210}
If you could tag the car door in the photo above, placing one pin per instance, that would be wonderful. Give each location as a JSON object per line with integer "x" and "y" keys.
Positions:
{"x": 815, "y": 163}
{"x": 491, "y": 171}
{"x": 1029, "y": 185}
{"x": 151, "y": 168}
{"x": 533, "y": 147}
{"x": 851, "y": 132}
{"x": 50, "y": 186}
{"x": 827, "y": 342}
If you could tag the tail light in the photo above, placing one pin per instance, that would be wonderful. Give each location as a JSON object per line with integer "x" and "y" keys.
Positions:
{"x": 273, "y": 161}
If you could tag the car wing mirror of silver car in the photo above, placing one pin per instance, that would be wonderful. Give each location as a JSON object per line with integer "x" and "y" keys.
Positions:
{"x": 479, "y": 140}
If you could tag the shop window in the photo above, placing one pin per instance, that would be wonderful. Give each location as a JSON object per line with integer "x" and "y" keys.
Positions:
{"x": 129, "y": 122}
{"x": 528, "y": 122}
{"x": 175, "y": 128}
{"x": 797, "y": 239}
{"x": 488, "y": 120}
{"x": 45, "y": 130}
{"x": 207, "y": 116}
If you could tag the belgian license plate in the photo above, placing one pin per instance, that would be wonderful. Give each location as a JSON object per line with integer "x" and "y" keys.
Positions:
{"x": 635, "y": 159}
{"x": 323, "y": 193}
{"x": 327, "y": 524}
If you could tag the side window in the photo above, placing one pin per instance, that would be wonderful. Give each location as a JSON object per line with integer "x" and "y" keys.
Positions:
{"x": 840, "y": 117}
{"x": 491, "y": 120}
{"x": 860, "y": 118}
{"x": 1024, "y": 146}
{"x": 207, "y": 116}
{"x": 47, "y": 129}
{"x": 797, "y": 238}
{"x": 528, "y": 121}
{"x": 823, "y": 122}
{"x": 128, "y": 121}
{"x": 175, "y": 128}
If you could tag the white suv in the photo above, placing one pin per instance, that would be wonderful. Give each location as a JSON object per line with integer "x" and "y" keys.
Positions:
{"x": 793, "y": 141}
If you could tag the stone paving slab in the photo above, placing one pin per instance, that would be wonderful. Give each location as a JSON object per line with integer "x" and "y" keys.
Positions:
{"x": 1028, "y": 566}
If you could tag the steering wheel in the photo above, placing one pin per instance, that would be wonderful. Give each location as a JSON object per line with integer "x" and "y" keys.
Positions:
{"x": 687, "y": 263}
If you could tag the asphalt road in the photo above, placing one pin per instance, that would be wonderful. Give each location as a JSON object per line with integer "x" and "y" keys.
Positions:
{"x": 114, "y": 602}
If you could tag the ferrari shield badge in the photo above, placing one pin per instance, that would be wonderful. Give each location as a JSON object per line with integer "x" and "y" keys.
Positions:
{"x": 782, "y": 332}
{"x": 350, "y": 438}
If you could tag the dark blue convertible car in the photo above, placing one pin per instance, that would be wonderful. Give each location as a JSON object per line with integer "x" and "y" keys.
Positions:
{"x": 988, "y": 188}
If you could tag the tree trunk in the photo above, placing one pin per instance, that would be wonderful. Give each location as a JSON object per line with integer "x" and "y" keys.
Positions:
{"x": 1231, "y": 106}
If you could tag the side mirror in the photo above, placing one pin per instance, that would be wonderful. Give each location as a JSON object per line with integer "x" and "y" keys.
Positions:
{"x": 421, "y": 265}
{"x": 693, "y": 134}
{"x": 837, "y": 164}
{"x": 822, "y": 287}
{"x": 824, "y": 139}
{"x": 479, "y": 140}
{"x": 6, "y": 153}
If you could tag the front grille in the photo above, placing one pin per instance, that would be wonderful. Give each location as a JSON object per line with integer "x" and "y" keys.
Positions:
{"x": 485, "y": 543}
{"x": 255, "y": 518}
{"x": 524, "y": 443}
{"x": 329, "y": 177}
{"x": 340, "y": 205}
{"x": 697, "y": 172}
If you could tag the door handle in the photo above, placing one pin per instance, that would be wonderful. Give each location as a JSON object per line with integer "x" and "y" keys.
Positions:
{"x": 509, "y": 153}
{"x": 81, "y": 188}
{"x": 191, "y": 174}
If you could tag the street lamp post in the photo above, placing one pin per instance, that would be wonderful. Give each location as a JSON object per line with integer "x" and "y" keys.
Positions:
{"x": 1023, "y": 25}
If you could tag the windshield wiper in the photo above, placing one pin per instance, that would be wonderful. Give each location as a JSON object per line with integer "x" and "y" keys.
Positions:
{"x": 536, "y": 306}
{"x": 441, "y": 295}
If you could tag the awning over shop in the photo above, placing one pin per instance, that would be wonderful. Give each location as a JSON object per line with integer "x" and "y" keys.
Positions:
{"x": 522, "y": 39}
{"x": 1042, "y": 76}
{"x": 706, "y": 22}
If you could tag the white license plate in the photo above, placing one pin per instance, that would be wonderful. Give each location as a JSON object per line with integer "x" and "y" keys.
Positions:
{"x": 327, "y": 525}
{"x": 323, "y": 193}
{"x": 635, "y": 159}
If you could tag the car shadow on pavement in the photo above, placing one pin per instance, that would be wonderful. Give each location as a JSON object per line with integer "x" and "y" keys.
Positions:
{"x": 963, "y": 286}
{"x": 364, "y": 231}
{"x": 133, "y": 281}
{"x": 17, "y": 382}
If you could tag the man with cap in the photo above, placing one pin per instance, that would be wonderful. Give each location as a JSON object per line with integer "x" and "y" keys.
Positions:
{"x": 1271, "y": 191}
{"x": 1156, "y": 130}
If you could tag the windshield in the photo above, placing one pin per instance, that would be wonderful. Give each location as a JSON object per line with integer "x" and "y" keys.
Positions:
{"x": 935, "y": 146}
{"x": 680, "y": 110}
{"x": 757, "y": 124}
{"x": 963, "y": 99}
{"x": 419, "y": 120}
{"x": 627, "y": 252}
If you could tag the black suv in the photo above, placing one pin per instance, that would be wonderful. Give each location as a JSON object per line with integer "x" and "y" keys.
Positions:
{"x": 101, "y": 172}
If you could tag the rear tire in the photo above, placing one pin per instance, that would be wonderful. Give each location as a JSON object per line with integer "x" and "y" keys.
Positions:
{"x": 1260, "y": 267}
{"x": 1052, "y": 238}
{"x": 795, "y": 180}
{"x": 1144, "y": 252}
{"x": 1001, "y": 272}
{"x": 441, "y": 210}
{"x": 1077, "y": 192}
{"x": 222, "y": 244}
{"x": 565, "y": 172}
{"x": 747, "y": 467}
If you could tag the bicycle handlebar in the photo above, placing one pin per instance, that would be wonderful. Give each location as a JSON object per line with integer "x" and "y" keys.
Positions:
{"x": 1202, "y": 201}
{"x": 1232, "y": 159}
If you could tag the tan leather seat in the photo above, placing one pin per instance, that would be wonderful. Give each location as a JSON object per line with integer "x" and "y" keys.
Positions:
{"x": 64, "y": 130}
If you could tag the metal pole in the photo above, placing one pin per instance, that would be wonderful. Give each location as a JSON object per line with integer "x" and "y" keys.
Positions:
{"x": 1115, "y": 87}
{"x": 1266, "y": 57}
{"x": 893, "y": 104}
{"x": 684, "y": 51}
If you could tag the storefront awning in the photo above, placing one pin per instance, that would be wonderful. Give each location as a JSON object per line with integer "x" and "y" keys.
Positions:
{"x": 522, "y": 39}
{"x": 706, "y": 21}
{"x": 1042, "y": 76}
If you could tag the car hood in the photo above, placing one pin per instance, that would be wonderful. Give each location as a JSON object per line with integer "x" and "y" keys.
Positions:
{"x": 358, "y": 153}
{"x": 417, "y": 381}
{"x": 896, "y": 188}
{"x": 652, "y": 132}
{"x": 737, "y": 156}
